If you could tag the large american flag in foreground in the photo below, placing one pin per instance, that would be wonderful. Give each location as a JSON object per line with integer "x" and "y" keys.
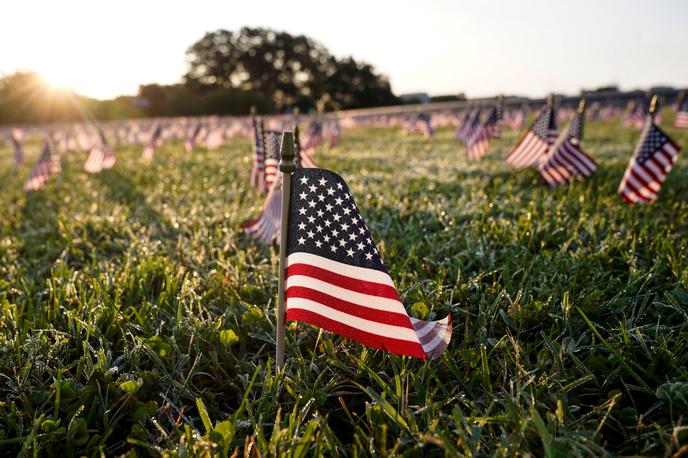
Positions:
{"x": 654, "y": 157}
{"x": 566, "y": 159}
{"x": 336, "y": 279}
{"x": 48, "y": 164}
{"x": 535, "y": 143}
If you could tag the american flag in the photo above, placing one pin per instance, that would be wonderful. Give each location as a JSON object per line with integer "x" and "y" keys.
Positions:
{"x": 681, "y": 119}
{"x": 312, "y": 139}
{"x": 422, "y": 123}
{"x": 257, "y": 178}
{"x": 635, "y": 115}
{"x": 461, "y": 126}
{"x": 493, "y": 122}
{"x": 100, "y": 157}
{"x": 191, "y": 141}
{"x": 566, "y": 159}
{"x": 335, "y": 277}
{"x": 468, "y": 126}
{"x": 302, "y": 160}
{"x": 48, "y": 164}
{"x": 536, "y": 142}
{"x": 15, "y": 138}
{"x": 266, "y": 228}
{"x": 271, "y": 140}
{"x": 153, "y": 144}
{"x": 652, "y": 161}
{"x": 478, "y": 137}
{"x": 333, "y": 132}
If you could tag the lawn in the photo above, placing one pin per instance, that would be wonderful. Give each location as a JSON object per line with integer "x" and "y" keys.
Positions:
{"x": 137, "y": 318}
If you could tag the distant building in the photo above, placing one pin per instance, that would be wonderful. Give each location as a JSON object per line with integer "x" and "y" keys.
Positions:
{"x": 417, "y": 97}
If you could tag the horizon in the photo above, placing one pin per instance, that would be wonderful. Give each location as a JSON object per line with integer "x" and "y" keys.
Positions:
{"x": 478, "y": 50}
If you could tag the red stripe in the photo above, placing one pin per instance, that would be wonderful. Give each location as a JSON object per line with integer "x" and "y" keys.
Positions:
{"x": 397, "y": 346}
{"x": 352, "y": 284}
{"x": 350, "y": 308}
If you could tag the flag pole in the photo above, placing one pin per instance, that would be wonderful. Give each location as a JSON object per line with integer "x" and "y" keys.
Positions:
{"x": 287, "y": 167}
{"x": 653, "y": 107}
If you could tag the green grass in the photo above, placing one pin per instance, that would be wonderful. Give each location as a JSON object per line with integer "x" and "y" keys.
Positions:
{"x": 136, "y": 318}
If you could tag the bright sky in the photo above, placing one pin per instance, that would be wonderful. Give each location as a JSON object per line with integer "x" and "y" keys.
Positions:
{"x": 103, "y": 49}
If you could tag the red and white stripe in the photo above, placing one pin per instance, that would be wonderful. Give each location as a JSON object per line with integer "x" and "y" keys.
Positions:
{"x": 271, "y": 167}
{"x": 528, "y": 152}
{"x": 564, "y": 162}
{"x": 38, "y": 177}
{"x": 94, "y": 161}
{"x": 109, "y": 158}
{"x": 681, "y": 120}
{"x": 266, "y": 227}
{"x": 478, "y": 145}
{"x": 359, "y": 304}
{"x": 641, "y": 182}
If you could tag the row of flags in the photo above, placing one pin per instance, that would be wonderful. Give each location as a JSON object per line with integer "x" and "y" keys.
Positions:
{"x": 334, "y": 275}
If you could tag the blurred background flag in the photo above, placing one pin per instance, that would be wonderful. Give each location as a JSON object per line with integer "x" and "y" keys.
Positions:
{"x": 257, "y": 178}
{"x": 265, "y": 229}
{"x": 566, "y": 159}
{"x": 153, "y": 144}
{"x": 48, "y": 164}
{"x": 681, "y": 119}
{"x": 15, "y": 138}
{"x": 535, "y": 143}
{"x": 335, "y": 277}
{"x": 652, "y": 161}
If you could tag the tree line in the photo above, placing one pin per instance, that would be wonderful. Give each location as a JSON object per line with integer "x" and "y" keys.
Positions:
{"x": 229, "y": 72}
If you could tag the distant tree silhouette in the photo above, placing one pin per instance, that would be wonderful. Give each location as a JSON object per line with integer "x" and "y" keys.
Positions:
{"x": 292, "y": 70}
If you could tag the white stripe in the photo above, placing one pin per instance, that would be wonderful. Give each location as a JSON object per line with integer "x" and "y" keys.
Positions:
{"x": 364, "y": 300}
{"x": 373, "y": 327}
{"x": 359, "y": 273}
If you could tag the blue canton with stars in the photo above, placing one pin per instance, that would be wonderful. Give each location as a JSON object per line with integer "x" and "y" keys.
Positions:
{"x": 273, "y": 143}
{"x": 653, "y": 141}
{"x": 544, "y": 123}
{"x": 576, "y": 126}
{"x": 325, "y": 221}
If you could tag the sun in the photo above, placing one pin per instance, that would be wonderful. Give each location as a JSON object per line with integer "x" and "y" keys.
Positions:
{"x": 58, "y": 78}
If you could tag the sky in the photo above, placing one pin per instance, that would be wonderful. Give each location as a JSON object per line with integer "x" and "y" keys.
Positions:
{"x": 480, "y": 48}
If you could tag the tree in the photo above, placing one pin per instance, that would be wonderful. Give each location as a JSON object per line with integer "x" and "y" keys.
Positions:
{"x": 290, "y": 70}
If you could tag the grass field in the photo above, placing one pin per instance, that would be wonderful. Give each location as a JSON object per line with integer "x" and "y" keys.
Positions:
{"x": 136, "y": 318}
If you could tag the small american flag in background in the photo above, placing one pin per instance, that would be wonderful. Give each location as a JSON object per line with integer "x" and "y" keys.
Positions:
{"x": 312, "y": 138}
{"x": 651, "y": 163}
{"x": 468, "y": 126}
{"x": 493, "y": 122}
{"x": 100, "y": 157}
{"x": 478, "y": 137}
{"x": 257, "y": 178}
{"x": 48, "y": 164}
{"x": 271, "y": 141}
{"x": 336, "y": 279}
{"x": 566, "y": 159}
{"x": 266, "y": 228}
{"x": 535, "y": 144}
{"x": 193, "y": 138}
{"x": 15, "y": 138}
{"x": 681, "y": 119}
{"x": 461, "y": 126}
{"x": 153, "y": 144}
